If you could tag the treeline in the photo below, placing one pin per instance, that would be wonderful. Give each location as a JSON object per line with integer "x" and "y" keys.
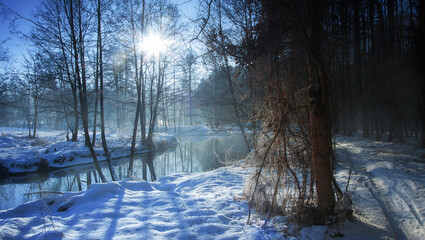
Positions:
{"x": 377, "y": 68}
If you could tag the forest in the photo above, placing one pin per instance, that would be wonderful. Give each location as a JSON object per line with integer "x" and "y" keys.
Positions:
{"x": 290, "y": 76}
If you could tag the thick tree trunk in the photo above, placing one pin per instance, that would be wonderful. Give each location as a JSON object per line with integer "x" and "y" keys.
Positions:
{"x": 320, "y": 122}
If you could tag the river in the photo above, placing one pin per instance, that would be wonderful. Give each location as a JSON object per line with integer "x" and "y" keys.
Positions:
{"x": 192, "y": 154}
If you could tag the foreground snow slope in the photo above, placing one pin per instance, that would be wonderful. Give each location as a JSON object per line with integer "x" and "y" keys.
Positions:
{"x": 181, "y": 206}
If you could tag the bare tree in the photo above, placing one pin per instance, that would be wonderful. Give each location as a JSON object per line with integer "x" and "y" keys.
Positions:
{"x": 80, "y": 73}
{"x": 102, "y": 107}
{"x": 138, "y": 79}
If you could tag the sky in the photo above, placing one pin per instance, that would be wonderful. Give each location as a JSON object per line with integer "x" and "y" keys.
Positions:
{"x": 26, "y": 8}
{"x": 15, "y": 46}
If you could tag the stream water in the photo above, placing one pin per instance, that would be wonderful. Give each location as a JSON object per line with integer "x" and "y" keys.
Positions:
{"x": 192, "y": 154}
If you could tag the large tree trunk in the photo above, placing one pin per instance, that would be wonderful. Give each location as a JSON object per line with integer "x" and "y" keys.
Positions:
{"x": 320, "y": 122}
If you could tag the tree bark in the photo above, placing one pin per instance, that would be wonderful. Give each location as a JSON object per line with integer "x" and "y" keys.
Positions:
{"x": 320, "y": 121}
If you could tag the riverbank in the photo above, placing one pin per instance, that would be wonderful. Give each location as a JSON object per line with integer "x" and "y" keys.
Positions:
{"x": 51, "y": 151}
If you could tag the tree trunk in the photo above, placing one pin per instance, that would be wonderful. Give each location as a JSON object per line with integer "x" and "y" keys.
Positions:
{"x": 73, "y": 83}
{"x": 358, "y": 79}
{"x": 81, "y": 81}
{"x": 421, "y": 60}
{"x": 118, "y": 111}
{"x": 320, "y": 121}
{"x": 36, "y": 98}
{"x": 79, "y": 182}
{"x": 154, "y": 105}
{"x": 88, "y": 176}
{"x": 138, "y": 86}
{"x": 102, "y": 108}
{"x": 347, "y": 85}
{"x": 96, "y": 84}
{"x": 230, "y": 84}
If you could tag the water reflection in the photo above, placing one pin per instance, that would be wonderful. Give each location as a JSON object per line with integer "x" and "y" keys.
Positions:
{"x": 192, "y": 154}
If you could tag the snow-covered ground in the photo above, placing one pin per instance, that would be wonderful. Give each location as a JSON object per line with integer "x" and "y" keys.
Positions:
{"x": 387, "y": 186}
{"x": 181, "y": 206}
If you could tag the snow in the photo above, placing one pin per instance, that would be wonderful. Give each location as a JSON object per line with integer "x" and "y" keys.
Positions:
{"x": 387, "y": 187}
{"x": 19, "y": 154}
{"x": 180, "y": 206}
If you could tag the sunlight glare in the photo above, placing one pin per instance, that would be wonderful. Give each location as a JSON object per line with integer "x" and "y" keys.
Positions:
{"x": 153, "y": 44}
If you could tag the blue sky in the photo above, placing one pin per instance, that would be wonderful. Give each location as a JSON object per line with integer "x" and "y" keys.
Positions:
{"x": 15, "y": 46}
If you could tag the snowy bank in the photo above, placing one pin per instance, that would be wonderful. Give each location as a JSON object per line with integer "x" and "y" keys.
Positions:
{"x": 19, "y": 154}
{"x": 181, "y": 206}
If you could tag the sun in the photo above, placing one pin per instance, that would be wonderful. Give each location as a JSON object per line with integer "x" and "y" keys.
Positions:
{"x": 153, "y": 44}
